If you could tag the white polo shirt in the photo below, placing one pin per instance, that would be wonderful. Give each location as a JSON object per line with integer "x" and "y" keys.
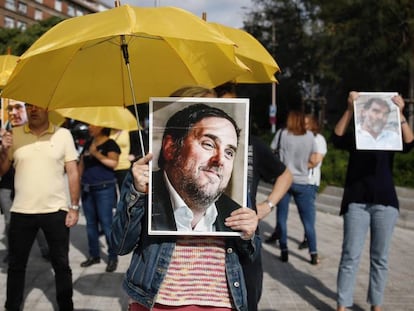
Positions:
{"x": 39, "y": 162}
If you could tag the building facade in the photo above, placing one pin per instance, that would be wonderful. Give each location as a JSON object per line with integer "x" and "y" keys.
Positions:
{"x": 23, "y": 13}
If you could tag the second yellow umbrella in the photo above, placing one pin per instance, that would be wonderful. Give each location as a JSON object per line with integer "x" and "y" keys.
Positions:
{"x": 112, "y": 116}
{"x": 7, "y": 64}
{"x": 253, "y": 54}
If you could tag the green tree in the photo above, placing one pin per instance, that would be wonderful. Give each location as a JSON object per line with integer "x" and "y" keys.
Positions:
{"x": 279, "y": 26}
{"x": 367, "y": 45}
{"x": 19, "y": 41}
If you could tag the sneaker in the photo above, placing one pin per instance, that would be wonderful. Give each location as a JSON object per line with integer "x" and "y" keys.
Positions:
{"x": 90, "y": 261}
{"x": 273, "y": 238}
{"x": 284, "y": 255}
{"x": 303, "y": 244}
{"x": 112, "y": 265}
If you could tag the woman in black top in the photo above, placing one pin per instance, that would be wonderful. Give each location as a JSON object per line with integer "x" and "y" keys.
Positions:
{"x": 369, "y": 203}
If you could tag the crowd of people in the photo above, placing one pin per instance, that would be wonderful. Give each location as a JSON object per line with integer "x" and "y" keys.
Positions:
{"x": 123, "y": 198}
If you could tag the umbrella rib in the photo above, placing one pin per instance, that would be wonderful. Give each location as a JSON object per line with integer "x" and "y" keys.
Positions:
{"x": 110, "y": 40}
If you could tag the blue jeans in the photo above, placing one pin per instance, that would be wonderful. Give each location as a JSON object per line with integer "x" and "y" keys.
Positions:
{"x": 22, "y": 232}
{"x": 359, "y": 218}
{"x": 304, "y": 196}
{"x": 98, "y": 203}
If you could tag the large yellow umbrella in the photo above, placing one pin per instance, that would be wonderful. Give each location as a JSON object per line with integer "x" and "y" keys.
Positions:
{"x": 122, "y": 56}
{"x": 7, "y": 64}
{"x": 114, "y": 117}
{"x": 253, "y": 54}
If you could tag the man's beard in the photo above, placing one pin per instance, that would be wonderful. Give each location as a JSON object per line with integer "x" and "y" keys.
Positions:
{"x": 377, "y": 126}
{"x": 197, "y": 193}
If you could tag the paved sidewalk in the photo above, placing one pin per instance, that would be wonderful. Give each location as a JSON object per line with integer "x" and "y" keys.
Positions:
{"x": 295, "y": 285}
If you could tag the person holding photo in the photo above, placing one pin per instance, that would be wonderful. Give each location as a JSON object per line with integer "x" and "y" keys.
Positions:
{"x": 369, "y": 203}
{"x": 188, "y": 272}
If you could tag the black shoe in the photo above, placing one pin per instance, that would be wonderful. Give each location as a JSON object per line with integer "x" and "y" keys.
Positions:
{"x": 90, "y": 261}
{"x": 273, "y": 238}
{"x": 112, "y": 265}
{"x": 314, "y": 259}
{"x": 284, "y": 255}
{"x": 303, "y": 244}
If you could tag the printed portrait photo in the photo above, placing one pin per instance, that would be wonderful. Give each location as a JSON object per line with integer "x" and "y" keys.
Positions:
{"x": 199, "y": 165}
{"x": 377, "y": 122}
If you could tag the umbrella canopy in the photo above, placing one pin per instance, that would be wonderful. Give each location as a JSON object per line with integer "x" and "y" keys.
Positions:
{"x": 114, "y": 117}
{"x": 253, "y": 54}
{"x": 83, "y": 60}
{"x": 7, "y": 64}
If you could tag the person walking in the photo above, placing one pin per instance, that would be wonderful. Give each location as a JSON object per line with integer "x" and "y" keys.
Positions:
{"x": 98, "y": 180}
{"x": 311, "y": 124}
{"x": 369, "y": 203}
{"x": 41, "y": 153}
{"x": 297, "y": 151}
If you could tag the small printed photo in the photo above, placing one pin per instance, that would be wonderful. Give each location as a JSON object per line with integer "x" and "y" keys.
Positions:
{"x": 377, "y": 122}
{"x": 199, "y": 165}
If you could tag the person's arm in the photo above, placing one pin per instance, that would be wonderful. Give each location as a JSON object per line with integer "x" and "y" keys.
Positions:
{"x": 315, "y": 159}
{"x": 280, "y": 187}
{"x": 72, "y": 173}
{"x": 110, "y": 160}
{"x": 406, "y": 130}
{"x": 6, "y": 144}
{"x": 343, "y": 123}
{"x": 128, "y": 221}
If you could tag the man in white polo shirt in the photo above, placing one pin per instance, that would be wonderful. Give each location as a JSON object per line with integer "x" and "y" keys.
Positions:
{"x": 41, "y": 153}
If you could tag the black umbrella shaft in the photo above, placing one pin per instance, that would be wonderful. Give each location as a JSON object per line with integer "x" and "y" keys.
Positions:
{"x": 124, "y": 48}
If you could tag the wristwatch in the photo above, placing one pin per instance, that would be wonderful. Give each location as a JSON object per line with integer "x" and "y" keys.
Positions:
{"x": 270, "y": 205}
{"x": 74, "y": 207}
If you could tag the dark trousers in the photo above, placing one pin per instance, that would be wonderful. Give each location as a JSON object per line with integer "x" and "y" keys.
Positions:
{"x": 22, "y": 232}
{"x": 253, "y": 276}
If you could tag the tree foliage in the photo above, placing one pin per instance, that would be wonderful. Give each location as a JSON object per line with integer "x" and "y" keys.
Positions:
{"x": 364, "y": 45}
{"x": 18, "y": 41}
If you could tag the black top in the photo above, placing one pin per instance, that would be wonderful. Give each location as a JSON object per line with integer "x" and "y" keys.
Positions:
{"x": 263, "y": 164}
{"x": 369, "y": 177}
{"x": 95, "y": 171}
{"x": 7, "y": 180}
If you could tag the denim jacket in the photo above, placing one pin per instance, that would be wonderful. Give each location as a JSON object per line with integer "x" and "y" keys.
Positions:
{"x": 152, "y": 254}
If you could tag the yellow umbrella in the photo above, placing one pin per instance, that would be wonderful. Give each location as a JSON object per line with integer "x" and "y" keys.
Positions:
{"x": 253, "y": 54}
{"x": 122, "y": 56}
{"x": 114, "y": 117}
{"x": 7, "y": 64}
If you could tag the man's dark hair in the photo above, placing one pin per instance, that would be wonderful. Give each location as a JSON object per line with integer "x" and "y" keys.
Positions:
{"x": 106, "y": 131}
{"x": 179, "y": 124}
{"x": 226, "y": 88}
{"x": 378, "y": 101}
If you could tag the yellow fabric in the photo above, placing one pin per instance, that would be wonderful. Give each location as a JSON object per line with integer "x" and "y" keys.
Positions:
{"x": 82, "y": 63}
{"x": 113, "y": 117}
{"x": 39, "y": 162}
{"x": 7, "y": 64}
{"x": 253, "y": 54}
{"x": 122, "y": 139}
